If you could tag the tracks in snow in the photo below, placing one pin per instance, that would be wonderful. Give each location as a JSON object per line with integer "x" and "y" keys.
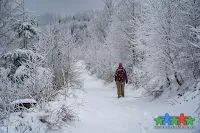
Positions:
{"x": 123, "y": 104}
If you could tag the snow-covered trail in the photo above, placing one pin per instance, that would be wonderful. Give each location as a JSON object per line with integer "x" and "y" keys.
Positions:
{"x": 104, "y": 113}
{"x": 102, "y": 109}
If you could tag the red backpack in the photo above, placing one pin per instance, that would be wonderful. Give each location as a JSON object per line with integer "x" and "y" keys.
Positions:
{"x": 120, "y": 74}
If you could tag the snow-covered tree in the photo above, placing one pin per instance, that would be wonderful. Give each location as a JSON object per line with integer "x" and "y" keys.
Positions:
{"x": 59, "y": 46}
{"x": 26, "y": 31}
{"x": 126, "y": 35}
{"x": 7, "y": 23}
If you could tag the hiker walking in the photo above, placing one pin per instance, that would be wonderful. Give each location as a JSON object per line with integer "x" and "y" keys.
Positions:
{"x": 120, "y": 79}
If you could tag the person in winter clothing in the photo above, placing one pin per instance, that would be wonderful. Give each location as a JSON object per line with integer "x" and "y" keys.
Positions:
{"x": 120, "y": 79}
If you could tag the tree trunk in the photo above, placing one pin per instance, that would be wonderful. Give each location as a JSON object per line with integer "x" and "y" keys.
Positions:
{"x": 177, "y": 80}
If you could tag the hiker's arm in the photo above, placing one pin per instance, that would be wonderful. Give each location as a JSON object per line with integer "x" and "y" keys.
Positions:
{"x": 116, "y": 76}
{"x": 126, "y": 76}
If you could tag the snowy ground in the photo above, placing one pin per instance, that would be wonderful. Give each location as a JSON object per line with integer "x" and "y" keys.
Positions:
{"x": 105, "y": 113}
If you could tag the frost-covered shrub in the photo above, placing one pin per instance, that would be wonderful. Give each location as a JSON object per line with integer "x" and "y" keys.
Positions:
{"x": 36, "y": 82}
{"x": 7, "y": 94}
{"x": 23, "y": 75}
{"x": 195, "y": 35}
{"x": 25, "y": 71}
{"x": 60, "y": 48}
{"x": 56, "y": 119}
{"x": 14, "y": 59}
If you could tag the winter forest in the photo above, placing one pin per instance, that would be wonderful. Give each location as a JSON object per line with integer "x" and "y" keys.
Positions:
{"x": 54, "y": 67}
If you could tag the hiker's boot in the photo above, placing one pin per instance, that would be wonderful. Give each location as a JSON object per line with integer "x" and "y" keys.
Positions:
{"x": 119, "y": 96}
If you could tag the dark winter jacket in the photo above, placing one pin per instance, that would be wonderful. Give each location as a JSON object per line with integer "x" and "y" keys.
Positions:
{"x": 125, "y": 74}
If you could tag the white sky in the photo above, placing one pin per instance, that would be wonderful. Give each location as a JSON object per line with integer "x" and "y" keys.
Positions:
{"x": 63, "y": 7}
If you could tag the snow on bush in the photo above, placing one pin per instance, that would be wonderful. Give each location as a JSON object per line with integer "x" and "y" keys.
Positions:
{"x": 51, "y": 117}
{"x": 58, "y": 118}
{"x": 20, "y": 55}
{"x": 60, "y": 48}
{"x": 38, "y": 83}
{"x": 154, "y": 87}
{"x": 23, "y": 77}
{"x": 195, "y": 34}
{"x": 25, "y": 71}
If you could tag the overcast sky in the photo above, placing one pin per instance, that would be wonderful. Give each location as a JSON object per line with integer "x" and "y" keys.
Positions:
{"x": 63, "y": 6}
